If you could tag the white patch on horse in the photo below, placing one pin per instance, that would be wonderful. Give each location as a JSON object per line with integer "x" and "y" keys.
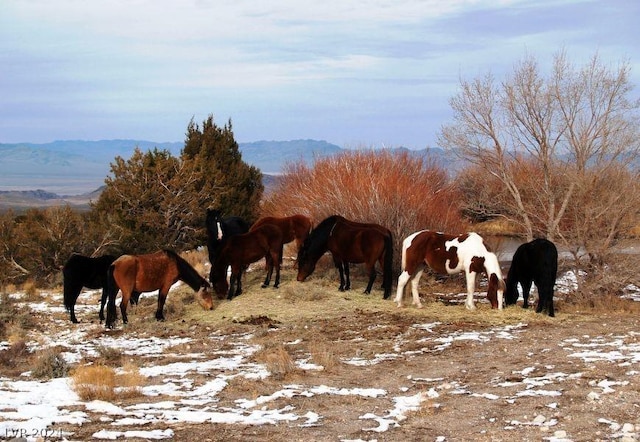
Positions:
{"x": 406, "y": 244}
{"x": 472, "y": 246}
{"x": 219, "y": 231}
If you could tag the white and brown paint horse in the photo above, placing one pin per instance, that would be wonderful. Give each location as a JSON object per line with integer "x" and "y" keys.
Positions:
{"x": 448, "y": 254}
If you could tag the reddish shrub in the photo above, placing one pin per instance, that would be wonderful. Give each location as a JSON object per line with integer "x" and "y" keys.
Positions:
{"x": 399, "y": 191}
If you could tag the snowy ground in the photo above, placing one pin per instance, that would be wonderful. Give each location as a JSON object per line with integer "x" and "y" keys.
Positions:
{"x": 183, "y": 387}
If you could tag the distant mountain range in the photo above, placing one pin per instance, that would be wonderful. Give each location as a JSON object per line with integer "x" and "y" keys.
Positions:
{"x": 71, "y": 171}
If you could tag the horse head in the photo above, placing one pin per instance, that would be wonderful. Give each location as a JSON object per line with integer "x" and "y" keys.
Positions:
{"x": 204, "y": 296}
{"x": 214, "y": 217}
{"x": 221, "y": 287}
{"x": 496, "y": 287}
{"x": 305, "y": 264}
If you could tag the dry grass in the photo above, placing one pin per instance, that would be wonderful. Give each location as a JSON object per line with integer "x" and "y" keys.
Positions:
{"x": 94, "y": 382}
{"x": 129, "y": 381}
{"x": 15, "y": 358}
{"x": 277, "y": 360}
{"x": 49, "y": 364}
{"x": 31, "y": 291}
{"x": 109, "y": 356}
{"x": 322, "y": 354}
{"x": 15, "y": 320}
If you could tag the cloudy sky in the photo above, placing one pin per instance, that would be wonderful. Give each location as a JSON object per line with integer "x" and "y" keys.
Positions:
{"x": 358, "y": 73}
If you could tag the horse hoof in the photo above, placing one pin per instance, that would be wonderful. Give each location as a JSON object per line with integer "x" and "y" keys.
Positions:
{"x": 264, "y": 286}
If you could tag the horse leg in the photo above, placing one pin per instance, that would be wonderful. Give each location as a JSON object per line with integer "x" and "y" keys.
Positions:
{"x": 269, "y": 261}
{"x": 111, "y": 310}
{"x": 276, "y": 283}
{"x": 72, "y": 293}
{"x": 339, "y": 266}
{"x": 231, "y": 286}
{"x": 103, "y": 301}
{"x": 162, "y": 297}
{"x": 545, "y": 299}
{"x": 239, "y": 282}
{"x": 526, "y": 288}
{"x": 347, "y": 278}
{"x": 135, "y": 297}
{"x": 402, "y": 282}
{"x": 471, "y": 287}
{"x": 372, "y": 278}
{"x": 415, "y": 281}
{"x": 123, "y": 306}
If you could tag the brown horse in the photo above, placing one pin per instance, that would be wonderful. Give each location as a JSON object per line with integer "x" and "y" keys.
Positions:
{"x": 294, "y": 227}
{"x": 449, "y": 254}
{"x": 349, "y": 242}
{"x": 145, "y": 273}
{"x": 241, "y": 250}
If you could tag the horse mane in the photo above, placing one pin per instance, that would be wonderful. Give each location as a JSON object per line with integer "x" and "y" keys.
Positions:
{"x": 318, "y": 237}
{"x": 188, "y": 274}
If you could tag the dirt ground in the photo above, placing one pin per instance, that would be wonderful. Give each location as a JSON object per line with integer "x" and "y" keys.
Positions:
{"x": 483, "y": 375}
{"x": 477, "y": 382}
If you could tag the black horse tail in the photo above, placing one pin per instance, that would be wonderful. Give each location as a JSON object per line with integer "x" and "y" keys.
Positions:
{"x": 387, "y": 274}
{"x": 110, "y": 293}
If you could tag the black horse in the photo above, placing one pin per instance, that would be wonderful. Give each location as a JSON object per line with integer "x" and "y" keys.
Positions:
{"x": 219, "y": 230}
{"x": 82, "y": 271}
{"x": 537, "y": 262}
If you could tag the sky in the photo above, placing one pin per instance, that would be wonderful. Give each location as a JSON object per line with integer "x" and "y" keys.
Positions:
{"x": 357, "y": 73}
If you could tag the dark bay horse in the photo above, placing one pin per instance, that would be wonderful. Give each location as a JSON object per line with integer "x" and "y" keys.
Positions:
{"x": 219, "y": 230}
{"x": 146, "y": 273}
{"x": 83, "y": 271}
{"x": 537, "y": 262}
{"x": 294, "y": 227}
{"x": 349, "y": 242}
{"x": 449, "y": 254}
{"x": 241, "y": 250}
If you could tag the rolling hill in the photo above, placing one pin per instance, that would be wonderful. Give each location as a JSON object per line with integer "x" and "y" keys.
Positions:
{"x": 72, "y": 171}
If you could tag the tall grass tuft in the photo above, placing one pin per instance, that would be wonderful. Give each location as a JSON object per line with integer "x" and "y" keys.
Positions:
{"x": 278, "y": 361}
{"x": 94, "y": 382}
{"x": 50, "y": 364}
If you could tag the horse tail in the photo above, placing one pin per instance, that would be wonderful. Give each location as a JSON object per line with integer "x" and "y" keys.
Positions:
{"x": 388, "y": 265}
{"x": 110, "y": 293}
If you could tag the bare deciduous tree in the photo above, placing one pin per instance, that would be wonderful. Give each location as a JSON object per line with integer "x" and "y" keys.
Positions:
{"x": 574, "y": 130}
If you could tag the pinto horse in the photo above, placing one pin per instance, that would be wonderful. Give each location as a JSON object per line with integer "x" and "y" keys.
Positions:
{"x": 294, "y": 227}
{"x": 241, "y": 250}
{"x": 349, "y": 242}
{"x": 82, "y": 271}
{"x": 145, "y": 273}
{"x": 537, "y": 262}
{"x": 219, "y": 230}
{"x": 447, "y": 255}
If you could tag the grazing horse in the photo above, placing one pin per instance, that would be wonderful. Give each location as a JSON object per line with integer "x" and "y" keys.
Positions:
{"x": 349, "y": 242}
{"x": 82, "y": 271}
{"x": 146, "y": 273}
{"x": 449, "y": 254}
{"x": 219, "y": 230}
{"x": 294, "y": 227}
{"x": 537, "y": 262}
{"x": 241, "y": 250}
